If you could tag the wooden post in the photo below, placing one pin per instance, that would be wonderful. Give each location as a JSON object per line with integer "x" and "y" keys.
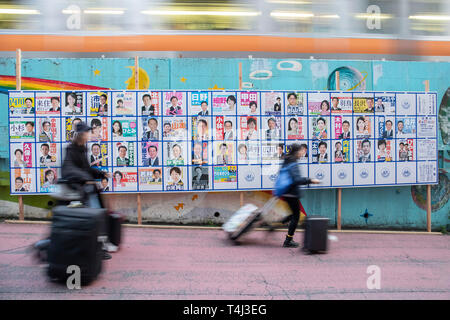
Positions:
{"x": 427, "y": 88}
{"x": 19, "y": 87}
{"x": 339, "y": 193}
{"x": 241, "y": 194}
{"x": 136, "y": 87}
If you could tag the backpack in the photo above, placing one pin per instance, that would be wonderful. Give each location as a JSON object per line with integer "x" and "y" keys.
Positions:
{"x": 284, "y": 180}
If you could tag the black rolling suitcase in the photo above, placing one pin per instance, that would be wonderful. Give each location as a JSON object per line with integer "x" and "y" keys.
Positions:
{"x": 74, "y": 240}
{"x": 316, "y": 234}
{"x": 114, "y": 225}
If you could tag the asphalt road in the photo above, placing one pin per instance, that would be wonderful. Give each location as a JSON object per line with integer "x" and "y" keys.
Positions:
{"x": 201, "y": 264}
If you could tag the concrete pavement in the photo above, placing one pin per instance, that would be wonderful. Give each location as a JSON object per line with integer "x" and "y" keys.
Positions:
{"x": 199, "y": 264}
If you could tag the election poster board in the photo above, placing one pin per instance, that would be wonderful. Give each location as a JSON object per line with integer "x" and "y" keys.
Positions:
{"x": 232, "y": 140}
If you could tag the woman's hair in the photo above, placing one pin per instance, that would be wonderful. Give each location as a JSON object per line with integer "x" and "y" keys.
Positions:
{"x": 289, "y": 123}
{"x": 47, "y": 173}
{"x": 119, "y": 173}
{"x": 120, "y": 125}
{"x": 252, "y": 103}
{"x": 242, "y": 145}
{"x": 73, "y": 95}
{"x": 21, "y": 152}
{"x": 232, "y": 98}
{"x": 291, "y": 156}
{"x": 360, "y": 118}
{"x": 176, "y": 169}
{"x": 327, "y": 103}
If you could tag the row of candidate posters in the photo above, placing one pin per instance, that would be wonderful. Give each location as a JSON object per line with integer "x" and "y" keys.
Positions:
{"x": 224, "y": 140}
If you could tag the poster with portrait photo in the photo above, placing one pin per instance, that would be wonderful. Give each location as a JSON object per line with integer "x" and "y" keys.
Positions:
{"x": 249, "y": 177}
{"x": 426, "y": 127}
{"x": 174, "y": 103}
{"x": 100, "y": 128}
{"x": 341, "y": 103}
{"x": 224, "y": 153}
{"x": 385, "y": 150}
{"x": 124, "y": 103}
{"x": 224, "y": 103}
{"x": 124, "y": 154}
{"x": 22, "y": 155}
{"x": 105, "y": 184}
{"x": 426, "y": 103}
{"x": 384, "y": 103}
{"x": 272, "y": 152}
{"x": 48, "y": 154}
{"x": 363, "y": 103}
{"x": 272, "y": 128}
{"x": 200, "y": 128}
{"x": 150, "y": 179}
{"x": 48, "y": 103}
{"x": 341, "y": 127}
{"x": 248, "y": 128}
{"x": 319, "y": 127}
{"x": 21, "y": 104}
{"x": 405, "y": 127}
{"x": 320, "y": 151}
{"x": 73, "y": 103}
{"x": 406, "y": 104}
{"x": 150, "y": 128}
{"x": 200, "y": 178}
{"x": 124, "y": 129}
{"x": 200, "y": 153}
{"x": 22, "y": 130}
{"x": 174, "y": 128}
{"x": 98, "y": 154}
{"x": 248, "y": 152}
{"x": 385, "y": 127}
{"x": 426, "y": 149}
{"x": 150, "y": 154}
{"x": 272, "y": 103}
{"x": 98, "y": 103}
{"x": 70, "y": 124}
{"x": 48, "y": 129}
{"x": 319, "y": 103}
{"x": 175, "y": 178}
{"x": 295, "y": 103}
{"x": 364, "y": 150}
{"x": 48, "y": 179}
{"x": 363, "y": 127}
{"x": 124, "y": 179}
{"x": 149, "y": 103}
{"x": 175, "y": 153}
{"x": 296, "y": 127}
{"x": 224, "y": 128}
{"x": 406, "y": 149}
{"x": 199, "y": 103}
{"x": 225, "y": 177}
{"x": 248, "y": 102}
{"x": 340, "y": 151}
{"x": 23, "y": 180}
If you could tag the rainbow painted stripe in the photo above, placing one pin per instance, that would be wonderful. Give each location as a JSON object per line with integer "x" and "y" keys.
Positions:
{"x": 9, "y": 83}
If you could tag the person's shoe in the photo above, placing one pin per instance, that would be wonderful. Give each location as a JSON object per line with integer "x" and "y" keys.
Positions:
{"x": 110, "y": 247}
{"x": 106, "y": 256}
{"x": 290, "y": 244}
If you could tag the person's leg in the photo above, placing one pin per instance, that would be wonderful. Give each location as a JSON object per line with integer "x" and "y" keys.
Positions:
{"x": 294, "y": 205}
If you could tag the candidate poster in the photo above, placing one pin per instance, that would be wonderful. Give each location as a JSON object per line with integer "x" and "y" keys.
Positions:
{"x": 272, "y": 103}
{"x": 48, "y": 103}
{"x": 98, "y": 103}
{"x": 224, "y": 103}
{"x": 319, "y": 104}
{"x": 73, "y": 102}
{"x": 22, "y": 129}
{"x": 175, "y": 178}
{"x": 199, "y": 103}
{"x": 295, "y": 104}
{"x": 23, "y": 180}
{"x": 98, "y": 154}
{"x": 150, "y": 179}
{"x": 149, "y": 103}
{"x": 174, "y": 103}
{"x": 124, "y": 103}
{"x": 341, "y": 103}
{"x": 22, "y": 104}
{"x": 22, "y": 155}
{"x": 124, "y": 179}
{"x": 124, "y": 154}
{"x": 174, "y": 128}
{"x": 48, "y": 129}
{"x": 248, "y": 102}
{"x": 124, "y": 129}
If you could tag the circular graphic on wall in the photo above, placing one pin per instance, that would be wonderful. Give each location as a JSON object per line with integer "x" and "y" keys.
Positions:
{"x": 349, "y": 79}
{"x": 440, "y": 194}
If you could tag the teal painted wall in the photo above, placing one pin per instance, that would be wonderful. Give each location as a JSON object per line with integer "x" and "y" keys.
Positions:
{"x": 392, "y": 207}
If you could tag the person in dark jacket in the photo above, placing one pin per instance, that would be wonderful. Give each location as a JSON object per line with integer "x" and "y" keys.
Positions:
{"x": 294, "y": 193}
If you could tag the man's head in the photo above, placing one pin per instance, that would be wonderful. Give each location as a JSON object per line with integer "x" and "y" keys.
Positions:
{"x": 95, "y": 149}
{"x": 153, "y": 152}
{"x": 103, "y": 98}
{"x": 369, "y": 103}
{"x": 400, "y": 126}
{"x": 29, "y": 126}
{"x": 122, "y": 151}
{"x": 345, "y": 125}
{"x": 303, "y": 150}
{"x": 338, "y": 146}
{"x": 202, "y": 126}
{"x": 388, "y": 125}
{"x": 75, "y": 122}
{"x": 204, "y": 106}
{"x": 198, "y": 171}
{"x": 176, "y": 149}
{"x": 45, "y": 149}
{"x": 152, "y": 124}
{"x": 253, "y": 106}
{"x": 167, "y": 127}
{"x": 29, "y": 102}
{"x": 46, "y": 126}
{"x": 19, "y": 182}
{"x": 198, "y": 149}
{"x": 366, "y": 146}
{"x": 104, "y": 183}
{"x": 120, "y": 103}
{"x": 271, "y": 123}
{"x": 322, "y": 147}
{"x": 228, "y": 125}
{"x": 157, "y": 173}
{"x": 55, "y": 102}
{"x": 146, "y": 99}
{"x": 174, "y": 101}
{"x": 175, "y": 173}
{"x": 292, "y": 99}
{"x": 223, "y": 148}
{"x": 335, "y": 102}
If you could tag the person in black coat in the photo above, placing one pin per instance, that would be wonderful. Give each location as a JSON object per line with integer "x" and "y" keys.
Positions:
{"x": 294, "y": 193}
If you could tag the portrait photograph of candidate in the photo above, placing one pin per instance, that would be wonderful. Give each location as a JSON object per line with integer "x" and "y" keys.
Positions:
{"x": 335, "y": 104}
{"x": 122, "y": 160}
{"x": 152, "y": 132}
{"x": 96, "y": 157}
{"x": 383, "y": 154}
{"x": 202, "y": 130}
{"x": 228, "y": 130}
{"x": 71, "y": 132}
{"x": 29, "y": 108}
{"x": 176, "y": 155}
{"x": 18, "y": 159}
{"x": 55, "y": 105}
{"x": 200, "y": 178}
{"x": 253, "y": 106}
{"x": 29, "y": 129}
{"x": 198, "y": 156}
{"x": 364, "y": 151}
{"x": 104, "y": 185}
{"x": 292, "y": 131}
{"x": 294, "y": 106}
{"x": 242, "y": 153}
{"x": 45, "y": 135}
{"x": 369, "y": 105}
{"x": 103, "y": 107}
{"x": 324, "y": 108}
{"x": 148, "y": 109}
{"x": 71, "y": 107}
{"x": 345, "y": 130}
{"x": 175, "y": 179}
{"x": 322, "y": 156}
{"x": 96, "y": 130}
{"x": 277, "y": 105}
{"x": 379, "y": 106}
{"x": 121, "y": 109}
{"x": 272, "y": 133}
{"x": 362, "y": 130}
{"x": 388, "y": 132}
{"x": 231, "y": 103}
{"x": 117, "y": 129}
{"x": 204, "y": 111}
{"x": 338, "y": 153}
{"x": 168, "y": 132}
{"x": 118, "y": 180}
{"x": 156, "y": 175}
{"x": 252, "y": 132}
{"x": 49, "y": 178}
{"x": 45, "y": 159}
{"x": 152, "y": 157}
{"x": 223, "y": 156}
{"x": 303, "y": 152}
{"x": 18, "y": 187}
{"x": 320, "y": 129}
{"x": 174, "y": 108}
{"x": 400, "y": 127}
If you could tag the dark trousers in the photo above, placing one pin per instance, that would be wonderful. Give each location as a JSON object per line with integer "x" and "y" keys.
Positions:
{"x": 294, "y": 204}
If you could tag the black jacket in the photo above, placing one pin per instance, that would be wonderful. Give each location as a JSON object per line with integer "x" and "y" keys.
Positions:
{"x": 76, "y": 167}
{"x": 297, "y": 179}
